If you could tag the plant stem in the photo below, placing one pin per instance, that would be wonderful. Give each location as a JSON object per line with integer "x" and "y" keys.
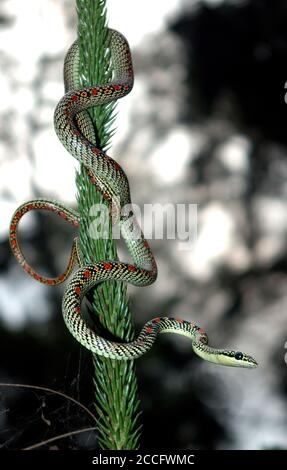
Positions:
{"x": 115, "y": 382}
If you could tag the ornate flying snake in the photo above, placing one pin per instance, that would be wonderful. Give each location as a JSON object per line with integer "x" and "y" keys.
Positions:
{"x": 75, "y": 130}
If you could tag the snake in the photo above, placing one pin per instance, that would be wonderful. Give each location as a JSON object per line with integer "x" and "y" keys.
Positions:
{"x": 75, "y": 131}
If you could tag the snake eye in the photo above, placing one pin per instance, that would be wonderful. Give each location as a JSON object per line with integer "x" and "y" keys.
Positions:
{"x": 238, "y": 355}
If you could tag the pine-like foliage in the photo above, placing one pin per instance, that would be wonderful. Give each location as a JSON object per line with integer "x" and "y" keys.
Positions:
{"x": 115, "y": 382}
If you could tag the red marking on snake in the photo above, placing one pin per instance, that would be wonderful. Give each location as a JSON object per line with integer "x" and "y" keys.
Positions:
{"x": 179, "y": 320}
{"x": 108, "y": 266}
{"x": 50, "y": 282}
{"x": 87, "y": 274}
{"x": 94, "y": 91}
{"x": 117, "y": 87}
{"x": 74, "y": 98}
{"x": 149, "y": 329}
{"x": 78, "y": 309}
{"x": 156, "y": 320}
{"x": 131, "y": 267}
{"x": 78, "y": 290}
{"x": 95, "y": 150}
{"x": 12, "y": 228}
{"x": 201, "y": 331}
{"x": 37, "y": 277}
{"x": 117, "y": 166}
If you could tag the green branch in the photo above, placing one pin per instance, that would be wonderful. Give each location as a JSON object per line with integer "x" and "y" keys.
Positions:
{"x": 115, "y": 382}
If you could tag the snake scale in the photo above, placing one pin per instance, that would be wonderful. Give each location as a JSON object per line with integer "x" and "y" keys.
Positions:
{"x": 75, "y": 131}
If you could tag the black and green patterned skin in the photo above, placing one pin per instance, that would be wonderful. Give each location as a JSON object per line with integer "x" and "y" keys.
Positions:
{"x": 75, "y": 130}
{"x": 109, "y": 176}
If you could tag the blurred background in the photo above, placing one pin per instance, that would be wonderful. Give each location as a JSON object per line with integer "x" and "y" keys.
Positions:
{"x": 205, "y": 124}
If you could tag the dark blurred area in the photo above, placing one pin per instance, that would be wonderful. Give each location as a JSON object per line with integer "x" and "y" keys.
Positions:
{"x": 229, "y": 96}
{"x": 237, "y": 54}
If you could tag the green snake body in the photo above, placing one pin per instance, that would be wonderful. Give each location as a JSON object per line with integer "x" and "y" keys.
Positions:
{"x": 75, "y": 130}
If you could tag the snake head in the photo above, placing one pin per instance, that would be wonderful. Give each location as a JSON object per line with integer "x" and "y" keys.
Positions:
{"x": 237, "y": 359}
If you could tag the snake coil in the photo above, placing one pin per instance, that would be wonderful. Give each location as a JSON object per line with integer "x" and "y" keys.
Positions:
{"x": 75, "y": 131}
